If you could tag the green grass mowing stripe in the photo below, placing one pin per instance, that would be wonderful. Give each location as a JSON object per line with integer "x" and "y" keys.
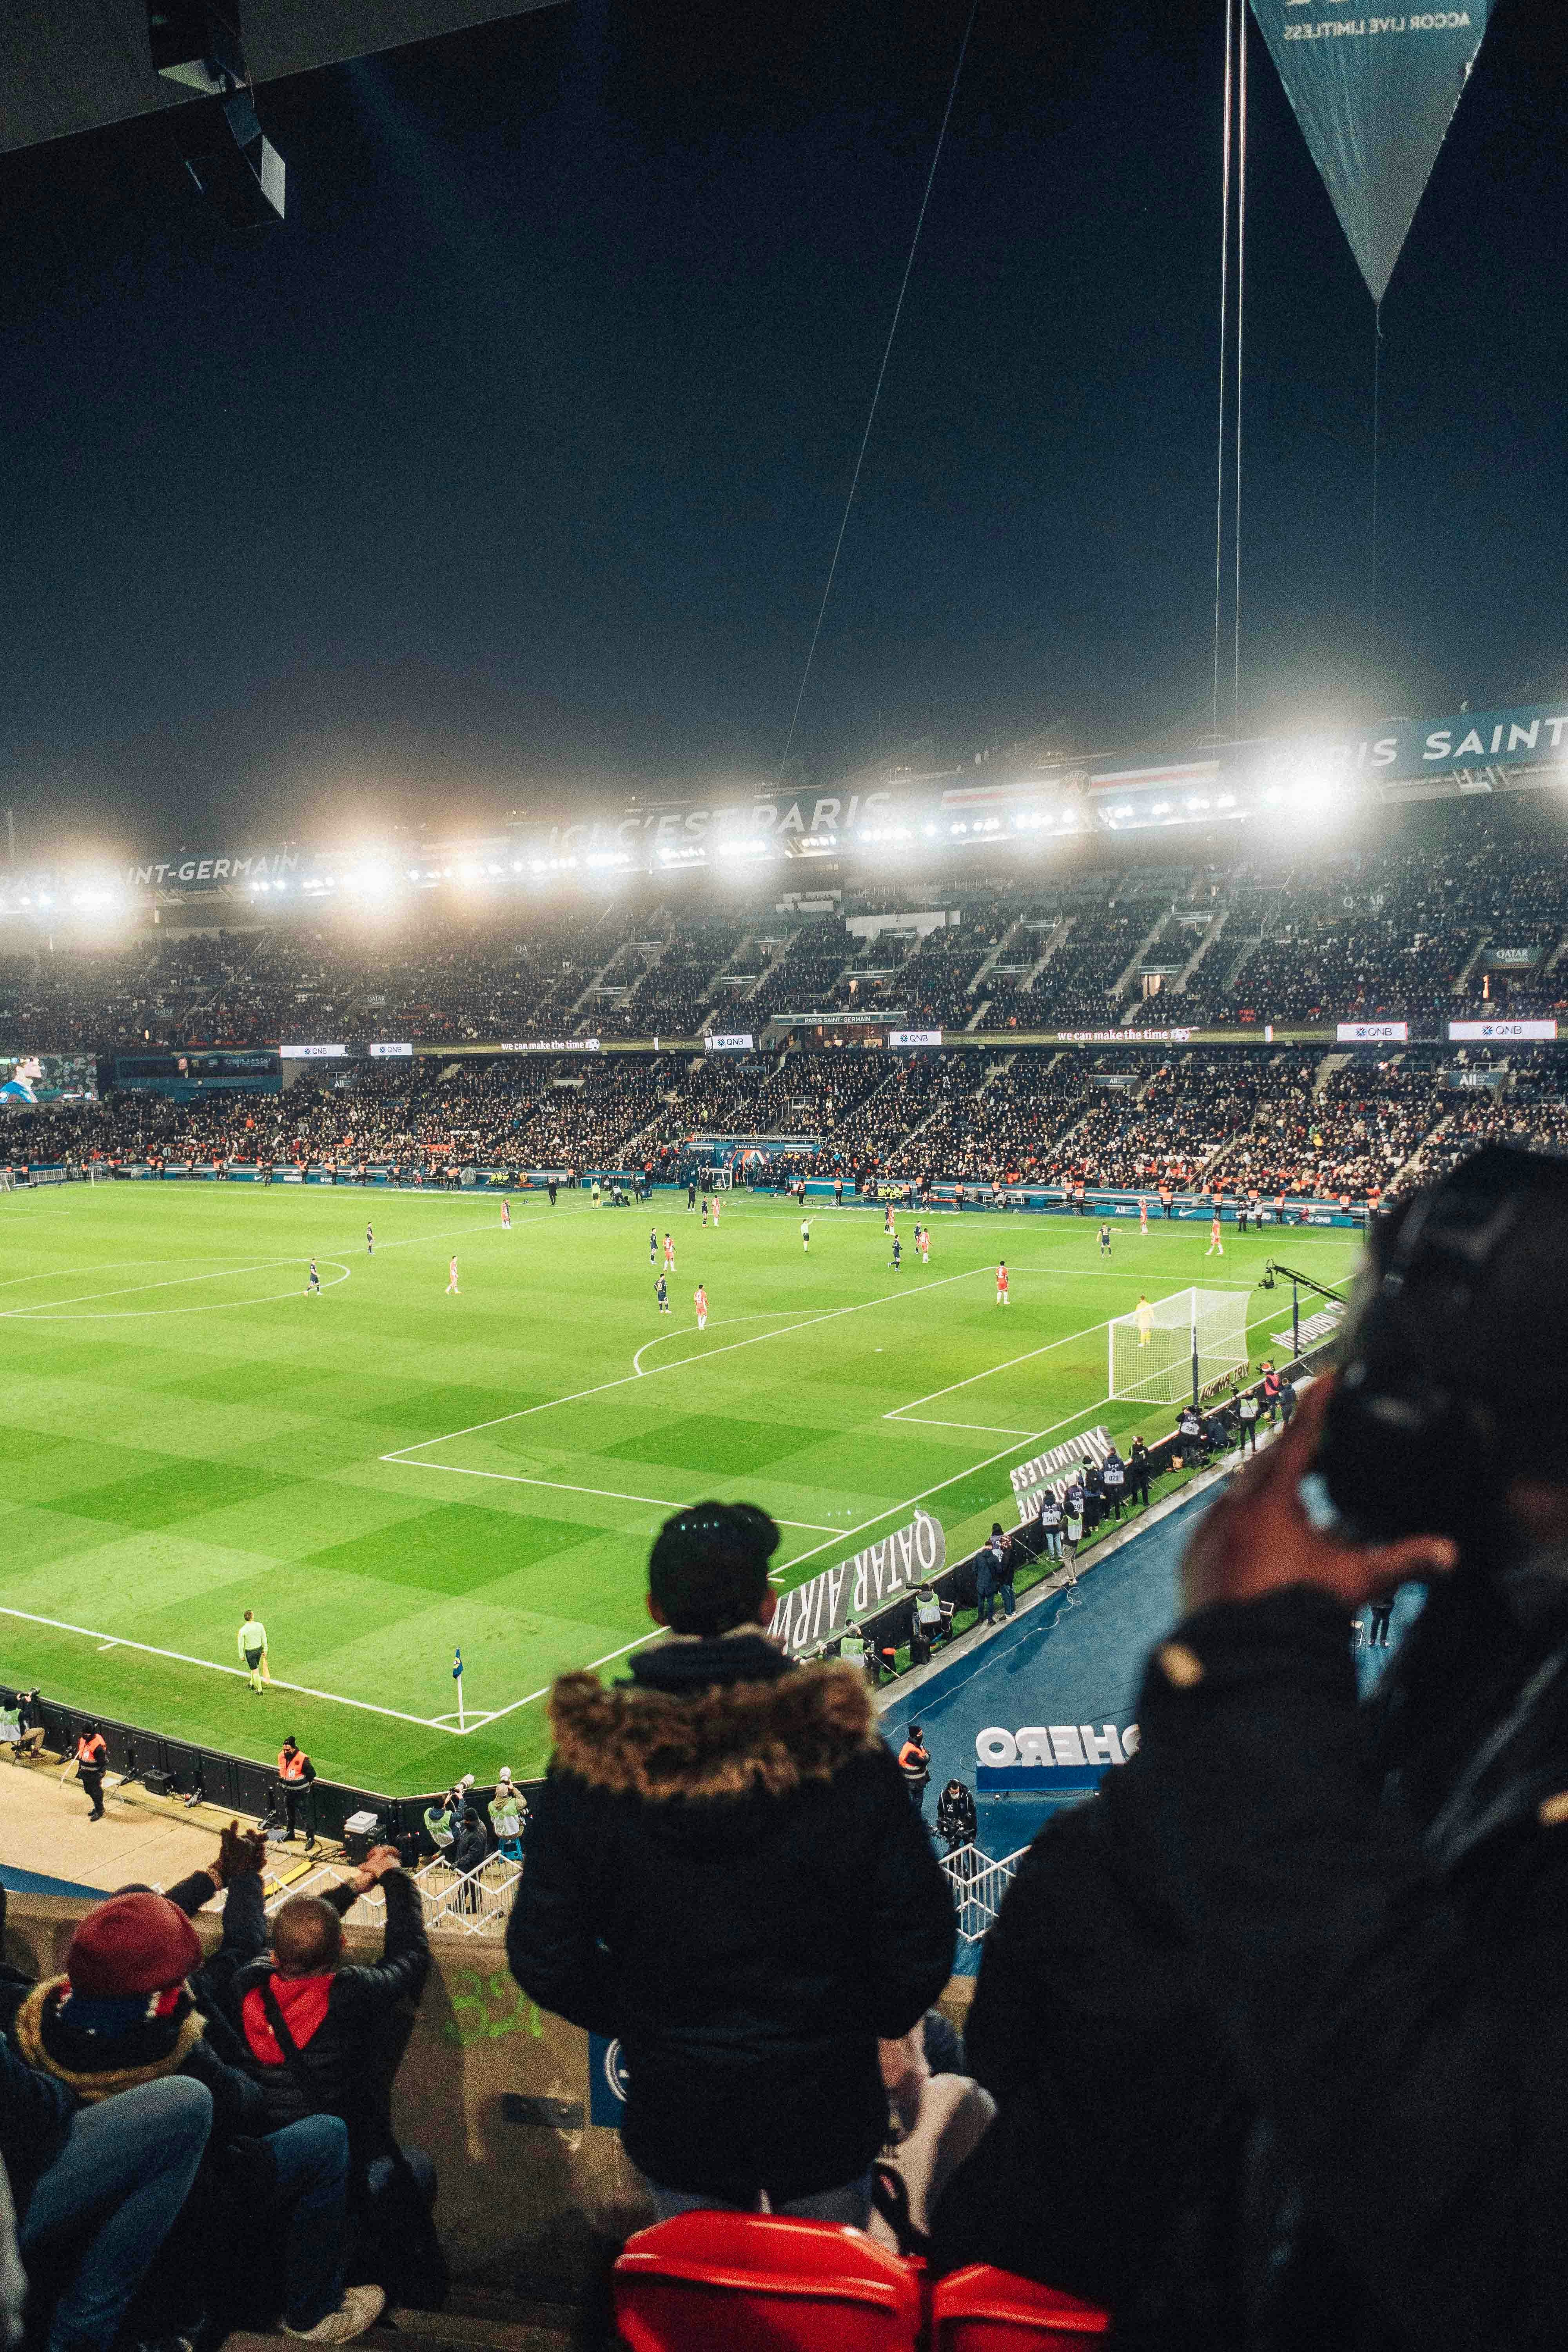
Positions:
{"x": 209, "y": 1665}
{"x": 625, "y": 1380}
{"x": 299, "y": 1392}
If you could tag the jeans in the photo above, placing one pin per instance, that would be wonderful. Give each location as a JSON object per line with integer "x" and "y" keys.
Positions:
{"x": 1009, "y": 1602}
{"x": 117, "y": 2187}
{"x": 312, "y": 2176}
{"x": 381, "y": 2174}
{"x": 850, "y": 2204}
{"x": 1053, "y": 1536}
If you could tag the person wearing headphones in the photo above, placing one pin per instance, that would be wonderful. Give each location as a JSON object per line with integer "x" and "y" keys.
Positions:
{"x": 1186, "y": 1968}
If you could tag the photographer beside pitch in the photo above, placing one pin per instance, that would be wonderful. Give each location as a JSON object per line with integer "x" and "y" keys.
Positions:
{"x": 1276, "y": 2025}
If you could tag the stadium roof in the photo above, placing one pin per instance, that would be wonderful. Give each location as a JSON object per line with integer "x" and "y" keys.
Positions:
{"x": 67, "y": 65}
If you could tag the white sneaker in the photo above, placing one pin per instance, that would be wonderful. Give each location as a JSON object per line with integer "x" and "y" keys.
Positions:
{"x": 361, "y": 2308}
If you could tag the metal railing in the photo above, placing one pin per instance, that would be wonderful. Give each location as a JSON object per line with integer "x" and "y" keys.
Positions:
{"x": 462, "y": 1903}
{"x": 978, "y": 1885}
{"x": 478, "y": 1902}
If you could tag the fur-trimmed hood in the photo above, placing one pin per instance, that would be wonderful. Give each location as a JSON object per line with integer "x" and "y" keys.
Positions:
{"x": 740, "y": 1738}
{"x": 47, "y": 2041}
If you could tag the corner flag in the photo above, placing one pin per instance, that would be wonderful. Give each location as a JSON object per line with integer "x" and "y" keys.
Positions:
{"x": 457, "y": 1665}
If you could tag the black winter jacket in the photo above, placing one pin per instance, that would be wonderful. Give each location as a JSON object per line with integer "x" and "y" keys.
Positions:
{"x": 95, "y": 2067}
{"x": 725, "y": 1873}
{"x": 1277, "y": 2023}
{"x": 469, "y": 1847}
{"x": 348, "y": 2063}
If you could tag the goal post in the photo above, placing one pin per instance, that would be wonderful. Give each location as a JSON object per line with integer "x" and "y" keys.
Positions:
{"x": 1171, "y": 1348}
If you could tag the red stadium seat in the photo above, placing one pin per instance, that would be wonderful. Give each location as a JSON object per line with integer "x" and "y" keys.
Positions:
{"x": 979, "y": 2309}
{"x": 760, "y": 2283}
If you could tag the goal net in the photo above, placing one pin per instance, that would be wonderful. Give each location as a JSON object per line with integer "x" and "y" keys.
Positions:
{"x": 7, "y": 1179}
{"x": 719, "y": 1180}
{"x": 1151, "y": 1350}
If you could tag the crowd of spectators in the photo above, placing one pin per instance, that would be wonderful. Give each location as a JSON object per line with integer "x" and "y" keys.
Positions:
{"x": 1474, "y": 918}
{"x": 1245, "y": 1120}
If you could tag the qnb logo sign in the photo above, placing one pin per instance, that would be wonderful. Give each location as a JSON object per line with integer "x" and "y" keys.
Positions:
{"x": 1054, "y": 1748}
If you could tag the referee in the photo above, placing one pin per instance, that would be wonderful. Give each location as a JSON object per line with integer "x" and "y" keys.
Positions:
{"x": 252, "y": 1645}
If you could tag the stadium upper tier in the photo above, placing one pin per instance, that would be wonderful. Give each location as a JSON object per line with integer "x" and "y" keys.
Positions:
{"x": 1421, "y": 930}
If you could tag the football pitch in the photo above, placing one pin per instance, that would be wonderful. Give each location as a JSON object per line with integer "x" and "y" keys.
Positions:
{"x": 385, "y": 1473}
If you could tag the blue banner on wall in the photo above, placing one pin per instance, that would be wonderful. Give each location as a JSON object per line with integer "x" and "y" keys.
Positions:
{"x": 1374, "y": 94}
{"x": 607, "y": 2082}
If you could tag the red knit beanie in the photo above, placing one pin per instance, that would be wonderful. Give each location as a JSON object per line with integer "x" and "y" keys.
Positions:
{"x": 132, "y": 1944}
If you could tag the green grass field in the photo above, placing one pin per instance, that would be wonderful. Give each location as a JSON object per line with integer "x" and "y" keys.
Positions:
{"x": 384, "y": 1472}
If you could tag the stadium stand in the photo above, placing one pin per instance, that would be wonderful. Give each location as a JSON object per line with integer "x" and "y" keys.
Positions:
{"x": 1462, "y": 912}
{"x": 1245, "y": 1121}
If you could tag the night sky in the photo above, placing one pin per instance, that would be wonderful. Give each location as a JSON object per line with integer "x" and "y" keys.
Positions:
{"x": 508, "y": 470}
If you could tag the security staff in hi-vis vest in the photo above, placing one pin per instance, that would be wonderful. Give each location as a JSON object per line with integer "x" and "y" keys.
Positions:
{"x": 295, "y": 1774}
{"x": 91, "y": 1756}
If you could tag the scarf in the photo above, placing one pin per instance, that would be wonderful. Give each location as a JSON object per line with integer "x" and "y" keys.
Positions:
{"x": 96, "y": 2066}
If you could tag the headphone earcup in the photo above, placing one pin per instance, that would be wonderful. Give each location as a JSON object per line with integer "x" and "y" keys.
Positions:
{"x": 1396, "y": 1463}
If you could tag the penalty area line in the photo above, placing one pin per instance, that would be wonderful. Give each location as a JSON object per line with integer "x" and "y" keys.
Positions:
{"x": 563, "y": 1487}
{"x": 549, "y": 1405}
{"x": 894, "y": 1511}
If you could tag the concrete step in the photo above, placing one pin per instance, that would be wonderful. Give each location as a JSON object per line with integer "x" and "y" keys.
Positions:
{"x": 438, "y": 2331}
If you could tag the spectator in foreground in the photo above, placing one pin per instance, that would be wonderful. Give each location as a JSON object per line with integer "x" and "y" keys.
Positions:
{"x": 105, "y": 2183}
{"x": 326, "y": 2037}
{"x": 122, "y": 2018}
{"x": 724, "y": 1873}
{"x": 1186, "y": 1968}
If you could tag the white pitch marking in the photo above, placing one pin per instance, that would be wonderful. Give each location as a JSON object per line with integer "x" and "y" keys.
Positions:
{"x": 981, "y": 1428}
{"x": 893, "y": 1511}
{"x": 767, "y": 1315}
{"x": 46, "y": 1311}
{"x": 1027, "y": 1357}
{"x": 211, "y": 1666}
{"x": 612, "y": 1493}
{"x": 578, "y": 1395}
